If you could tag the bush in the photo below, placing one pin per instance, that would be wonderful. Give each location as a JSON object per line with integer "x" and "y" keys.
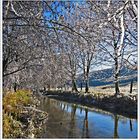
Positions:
{"x": 12, "y": 107}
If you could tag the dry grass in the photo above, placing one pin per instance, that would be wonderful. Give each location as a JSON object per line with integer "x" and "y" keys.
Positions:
{"x": 109, "y": 90}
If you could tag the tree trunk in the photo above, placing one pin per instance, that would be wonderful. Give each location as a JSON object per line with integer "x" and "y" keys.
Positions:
{"x": 87, "y": 85}
{"x": 48, "y": 86}
{"x": 117, "y": 91}
{"x": 131, "y": 86}
{"x": 74, "y": 87}
{"x": 81, "y": 86}
{"x": 15, "y": 87}
{"x": 87, "y": 81}
{"x": 44, "y": 88}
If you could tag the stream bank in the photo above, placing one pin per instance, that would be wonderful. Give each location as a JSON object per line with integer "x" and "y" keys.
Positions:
{"x": 120, "y": 105}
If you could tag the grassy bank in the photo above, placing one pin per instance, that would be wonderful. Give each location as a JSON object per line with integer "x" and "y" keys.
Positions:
{"x": 123, "y": 105}
{"x": 21, "y": 119}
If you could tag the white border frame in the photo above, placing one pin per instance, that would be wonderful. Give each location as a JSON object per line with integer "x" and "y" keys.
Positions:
{"x": 1, "y": 78}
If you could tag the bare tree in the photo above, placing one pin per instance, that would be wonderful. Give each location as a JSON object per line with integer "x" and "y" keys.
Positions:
{"x": 115, "y": 38}
{"x": 59, "y": 40}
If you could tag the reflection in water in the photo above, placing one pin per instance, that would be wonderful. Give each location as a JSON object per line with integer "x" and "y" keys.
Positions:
{"x": 131, "y": 128}
{"x": 64, "y": 107}
{"x": 80, "y": 110}
{"x": 73, "y": 121}
{"x": 61, "y": 105}
{"x": 116, "y": 118}
{"x": 67, "y": 107}
{"x": 73, "y": 110}
{"x": 85, "y": 132}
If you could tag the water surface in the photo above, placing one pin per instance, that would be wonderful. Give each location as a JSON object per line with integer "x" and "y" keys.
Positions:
{"x": 74, "y": 121}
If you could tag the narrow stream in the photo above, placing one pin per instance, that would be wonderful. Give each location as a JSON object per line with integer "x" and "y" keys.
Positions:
{"x": 74, "y": 121}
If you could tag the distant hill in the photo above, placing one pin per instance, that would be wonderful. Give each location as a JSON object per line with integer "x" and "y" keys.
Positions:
{"x": 105, "y": 77}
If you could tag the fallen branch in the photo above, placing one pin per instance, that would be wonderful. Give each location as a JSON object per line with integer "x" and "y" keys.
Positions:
{"x": 32, "y": 108}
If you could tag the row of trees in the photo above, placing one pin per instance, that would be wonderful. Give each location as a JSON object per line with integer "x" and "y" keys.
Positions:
{"x": 51, "y": 43}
